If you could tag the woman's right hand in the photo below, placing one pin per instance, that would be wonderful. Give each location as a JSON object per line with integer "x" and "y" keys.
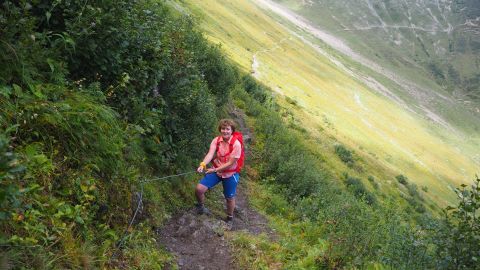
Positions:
{"x": 202, "y": 167}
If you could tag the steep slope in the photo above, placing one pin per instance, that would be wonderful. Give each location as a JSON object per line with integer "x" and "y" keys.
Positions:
{"x": 336, "y": 97}
{"x": 440, "y": 39}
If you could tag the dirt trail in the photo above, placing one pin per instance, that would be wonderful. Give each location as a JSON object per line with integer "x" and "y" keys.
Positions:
{"x": 198, "y": 241}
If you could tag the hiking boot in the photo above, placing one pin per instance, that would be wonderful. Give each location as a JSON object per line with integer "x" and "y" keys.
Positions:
{"x": 202, "y": 210}
{"x": 229, "y": 222}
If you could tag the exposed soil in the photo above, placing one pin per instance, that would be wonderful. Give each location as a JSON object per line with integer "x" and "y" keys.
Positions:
{"x": 198, "y": 241}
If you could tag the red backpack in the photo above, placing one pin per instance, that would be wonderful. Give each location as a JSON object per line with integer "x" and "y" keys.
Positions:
{"x": 237, "y": 136}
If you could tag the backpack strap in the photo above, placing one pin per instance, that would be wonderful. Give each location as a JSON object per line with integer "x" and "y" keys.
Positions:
{"x": 230, "y": 144}
{"x": 218, "y": 143}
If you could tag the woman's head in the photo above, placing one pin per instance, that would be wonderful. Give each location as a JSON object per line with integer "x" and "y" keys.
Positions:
{"x": 225, "y": 126}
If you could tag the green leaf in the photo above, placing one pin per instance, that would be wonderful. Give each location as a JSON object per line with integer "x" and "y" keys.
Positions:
{"x": 17, "y": 90}
{"x": 5, "y": 91}
{"x": 51, "y": 64}
{"x": 84, "y": 188}
{"x": 111, "y": 234}
{"x": 79, "y": 220}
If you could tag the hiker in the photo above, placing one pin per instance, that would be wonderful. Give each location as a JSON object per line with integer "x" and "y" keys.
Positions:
{"x": 228, "y": 151}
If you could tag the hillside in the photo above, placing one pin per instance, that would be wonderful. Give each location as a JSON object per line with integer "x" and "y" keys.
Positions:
{"x": 439, "y": 39}
{"x": 106, "y": 108}
{"x": 394, "y": 124}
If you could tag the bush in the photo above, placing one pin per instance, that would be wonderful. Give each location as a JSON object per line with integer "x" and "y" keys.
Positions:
{"x": 371, "y": 179}
{"x": 10, "y": 195}
{"x": 413, "y": 191}
{"x": 402, "y": 179}
{"x": 57, "y": 115}
{"x": 96, "y": 100}
{"x": 352, "y": 234}
{"x": 258, "y": 92}
{"x": 458, "y": 241}
{"x": 416, "y": 204}
{"x": 359, "y": 190}
{"x": 291, "y": 101}
{"x": 344, "y": 154}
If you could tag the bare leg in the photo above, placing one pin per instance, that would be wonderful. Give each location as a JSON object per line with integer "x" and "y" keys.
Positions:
{"x": 230, "y": 206}
{"x": 200, "y": 193}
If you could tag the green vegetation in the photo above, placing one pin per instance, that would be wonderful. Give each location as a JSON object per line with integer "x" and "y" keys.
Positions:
{"x": 322, "y": 225}
{"x": 337, "y": 228}
{"x": 402, "y": 179}
{"x": 359, "y": 190}
{"x": 95, "y": 97}
{"x": 344, "y": 154}
{"x": 458, "y": 243}
{"x": 447, "y": 57}
{"x": 385, "y": 137}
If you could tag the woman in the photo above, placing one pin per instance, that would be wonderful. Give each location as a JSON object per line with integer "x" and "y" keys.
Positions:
{"x": 227, "y": 150}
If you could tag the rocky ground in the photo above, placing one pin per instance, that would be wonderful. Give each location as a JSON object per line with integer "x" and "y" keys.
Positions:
{"x": 199, "y": 242}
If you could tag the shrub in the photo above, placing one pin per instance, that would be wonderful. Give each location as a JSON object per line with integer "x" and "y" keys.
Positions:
{"x": 97, "y": 99}
{"x": 291, "y": 101}
{"x": 416, "y": 204}
{"x": 58, "y": 115}
{"x": 402, "y": 179}
{"x": 458, "y": 243}
{"x": 413, "y": 191}
{"x": 252, "y": 87}
{"x": 9, "y": 169}
{"x": 359, "y": 190}
{"x": 371, "y": 179}
{"x": 344, "y": 154}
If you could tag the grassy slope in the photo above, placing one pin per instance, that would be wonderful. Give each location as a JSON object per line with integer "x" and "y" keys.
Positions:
{"x": 404, "y": 57}
{"x": 399, "y": 48}
{"x": 335, "y": 106}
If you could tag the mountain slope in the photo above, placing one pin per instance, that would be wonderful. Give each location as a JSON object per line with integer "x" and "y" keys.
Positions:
{"x": 441, "y": 38}
{"x": 335, "y": 97}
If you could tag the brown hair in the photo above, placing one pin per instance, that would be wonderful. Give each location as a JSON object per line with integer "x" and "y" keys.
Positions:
{"x": 226, "y": 123}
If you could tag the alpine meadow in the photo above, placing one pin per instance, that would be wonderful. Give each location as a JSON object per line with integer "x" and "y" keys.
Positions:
{"x": 360, "y": 118}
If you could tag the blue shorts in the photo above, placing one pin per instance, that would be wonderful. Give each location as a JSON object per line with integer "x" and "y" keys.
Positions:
{"x": 229, "y": 184}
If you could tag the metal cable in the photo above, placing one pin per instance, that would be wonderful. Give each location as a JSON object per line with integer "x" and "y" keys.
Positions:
{"x": 165, "y": 177}
{"x": 130, "y": 224}
{"x": 140, "y": 202}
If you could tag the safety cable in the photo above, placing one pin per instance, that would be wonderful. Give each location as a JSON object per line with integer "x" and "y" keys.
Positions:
{"x": 140, "y": 202}
{"x": 130, "y": 224}
{"x": 165, "y": 177}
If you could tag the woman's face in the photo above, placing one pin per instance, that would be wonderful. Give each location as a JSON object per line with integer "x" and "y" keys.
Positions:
{"x": 226, "y": 132}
